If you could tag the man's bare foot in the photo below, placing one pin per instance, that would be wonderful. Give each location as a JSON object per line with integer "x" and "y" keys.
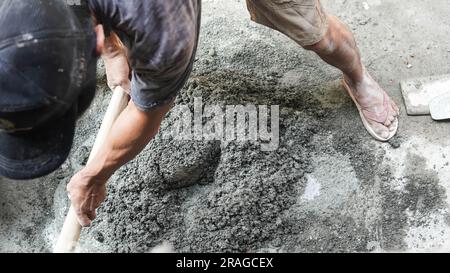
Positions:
{"x": 380, "y": 112}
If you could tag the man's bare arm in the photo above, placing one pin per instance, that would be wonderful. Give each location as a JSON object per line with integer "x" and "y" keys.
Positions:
{"x": 115, "y": 56}
{"x": 133, "y": 130}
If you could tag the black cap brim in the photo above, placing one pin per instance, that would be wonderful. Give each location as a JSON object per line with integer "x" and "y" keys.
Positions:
{"x": 33, "y": 154}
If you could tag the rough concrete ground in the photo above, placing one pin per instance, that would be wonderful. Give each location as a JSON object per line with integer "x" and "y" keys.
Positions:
{"x": 328, "y": 188}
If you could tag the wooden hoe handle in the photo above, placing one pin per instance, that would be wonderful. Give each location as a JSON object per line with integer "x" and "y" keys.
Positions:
{"x": 70, "y": 233}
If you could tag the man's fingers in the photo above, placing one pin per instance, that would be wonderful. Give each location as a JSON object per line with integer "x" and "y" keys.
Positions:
{"x": 84, "y": 220}
{"x": 85, "y": 217}
{"x": 92, "y": 215}
{"x": 86, "y": 213}
{"x": 126, "y": 86}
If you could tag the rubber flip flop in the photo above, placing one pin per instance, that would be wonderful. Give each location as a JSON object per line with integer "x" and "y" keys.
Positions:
{"x": 371, "y": 116}
{"x": 440, "y": 107}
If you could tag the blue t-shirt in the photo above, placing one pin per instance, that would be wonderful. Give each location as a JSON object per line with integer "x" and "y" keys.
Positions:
{"x": 162, "y": 37}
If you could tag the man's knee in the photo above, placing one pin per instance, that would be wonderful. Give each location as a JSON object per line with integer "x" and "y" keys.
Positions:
{"x": 325, "y": 46}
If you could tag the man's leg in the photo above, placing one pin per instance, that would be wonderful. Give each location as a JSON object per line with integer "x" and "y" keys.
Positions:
{"x": 338, "y": 48}
{"x": 306, "y": 23}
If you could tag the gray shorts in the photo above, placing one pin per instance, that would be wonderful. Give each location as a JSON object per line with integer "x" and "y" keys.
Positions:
{"x": 304, "y": 21}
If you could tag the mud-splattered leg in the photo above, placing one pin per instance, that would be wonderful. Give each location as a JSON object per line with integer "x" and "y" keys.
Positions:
{"x": 339, "y": 49}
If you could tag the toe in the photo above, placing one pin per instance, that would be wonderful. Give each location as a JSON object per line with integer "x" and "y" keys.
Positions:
{"x": 393, "y": 126}
{"x": 390, "y": 120}
{"x": 395, "y": 108}
{"x": 385, "y": 133}
{"x": 380, "y": 130}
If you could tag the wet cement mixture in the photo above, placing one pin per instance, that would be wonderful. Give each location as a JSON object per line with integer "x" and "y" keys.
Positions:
{"x": 328, "y": 187}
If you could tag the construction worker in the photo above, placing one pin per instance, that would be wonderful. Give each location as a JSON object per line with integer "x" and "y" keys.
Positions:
{"x": 47, "y": 78}
{"x": 158, "y": 38}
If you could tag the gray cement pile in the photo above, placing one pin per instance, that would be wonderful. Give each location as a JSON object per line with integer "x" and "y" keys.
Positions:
{"x": 328, "y": 187}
